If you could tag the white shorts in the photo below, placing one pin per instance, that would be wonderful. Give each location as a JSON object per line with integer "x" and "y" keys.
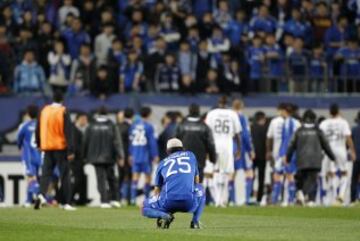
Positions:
{"x": 209, "y": 167}
{"x": 339, "y": 164}
{"x": 225, "y": 160}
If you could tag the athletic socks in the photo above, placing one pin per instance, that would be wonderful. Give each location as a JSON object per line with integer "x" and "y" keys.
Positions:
{"x": 248, "y": 189}
{"x": 231, "y": 189}
{"x": 343, "y": 186}
{"x": 147, "y": 190}
{"x": 277, "y": 188}
{"x": 292, "y": 192}
{"x": 33, "y": 189}
{"x": 134, "y": 185}
{"x": 201, "y": 205}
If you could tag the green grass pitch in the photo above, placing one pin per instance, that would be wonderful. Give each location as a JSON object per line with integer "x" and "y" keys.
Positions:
{"x": 271, "y": 223}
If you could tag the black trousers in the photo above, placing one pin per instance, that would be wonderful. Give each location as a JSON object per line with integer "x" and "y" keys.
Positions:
{"x": 106, "y": 182}
{"x": 79, "y": 185}
{"x": 125, "y": 176}
{"x": 59, "y": 159}
{"x": 260, "y": 165}
{"x": 355, "y": 179}
{"x": 306, "y": 181}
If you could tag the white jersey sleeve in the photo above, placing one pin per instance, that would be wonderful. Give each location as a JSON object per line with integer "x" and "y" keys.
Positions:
{"x": 271, "y": 129}
{"x": 236, "y": 123}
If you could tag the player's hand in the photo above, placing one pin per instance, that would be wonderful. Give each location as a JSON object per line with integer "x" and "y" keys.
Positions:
{"x": 121, "y": 162}
{"x": 353, "y": 155}
{"x": 237, "y": 155}
{"x": 130, "y": 160}
{"x": 285, "y": 160}
{"x": 156, "y": 160}
{"x": 71, "y": 157}
{"x": 269, "y": 156}
{"x": 252, "y": 155}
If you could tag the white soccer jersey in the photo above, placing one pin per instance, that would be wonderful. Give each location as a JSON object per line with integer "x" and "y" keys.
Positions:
{"x": 336, "y": 130}
{"x": 275, "y": 132}
{"x": 224, "y": 124}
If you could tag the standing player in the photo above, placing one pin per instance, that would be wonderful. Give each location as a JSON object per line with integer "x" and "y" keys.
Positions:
{"x": 143, "y": 151}
{"x": 177, "y": 187}
{"x": 247, "y": 154}
{"x": 225, "y": 126}
{"x": 338, "y": 133}
{"x": 30, "y": 154}
{"x": 280, "y": 132}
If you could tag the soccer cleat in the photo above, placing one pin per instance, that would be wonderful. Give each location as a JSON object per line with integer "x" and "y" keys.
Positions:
{"x": 195, "y": 225}
{"x": 168, "y": 221}
{"x": 105, "y": 205}
{"x": 68, "y": 207}
{"x": 159, "y": 223}
{"x": 39, "y": 201}
{"x": 115, "y": 204}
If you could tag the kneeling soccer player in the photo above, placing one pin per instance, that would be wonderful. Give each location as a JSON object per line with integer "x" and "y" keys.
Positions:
{"x": 177, "y": 188}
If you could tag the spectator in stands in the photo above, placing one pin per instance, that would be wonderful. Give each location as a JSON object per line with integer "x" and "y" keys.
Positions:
{"x": 321, "y": 21}
{"x": 46, "y": 38}
{"x": 150, "y": 38}
{"x": 136, "y": 21}
{"x": 7, "y": 19}
{"x": 187, "y": 60}
{"x": 75, "y": 37}
{"x": 218, "y": 43}
{"x": 115, "y": 59}
{"x": 256, "y": 58}
{"x": 204, "y": 62}
{"x": 101, "y": 87}
{"x": 212, "y": 82}
{"x": 237, "y": 29}
{"x": 170, "y": 33}
{"x": 336, "y": 36}
{"x": 83, "y": 69}
{"x": 206, "y": 26}
{"x": 262, "y": 23}
{"x": 169, "y": 125}
{"x": 65, "y": 9}
{"x": 103, "y": 43}
{"x": 349, "y": 57}
{"x": 131, "y": 73}
{"x": 24, "y": 42}
{"x": 168, "y": 75}
{"x": 297, "y": 27}
{"x": 318, "y": 70}
{"x": 193, "y": 38}
{"x": 29, "y": 76}
{"x": 222, "y": 14}
{"x": 275, "y": 65}
{"x": 59, "y": 63}
{"x": 232, "y": 77}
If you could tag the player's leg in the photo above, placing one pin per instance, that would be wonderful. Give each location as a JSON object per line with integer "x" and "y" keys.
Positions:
{"x": 136, "y": 171}
{"x": 100, "y": 172}
{"x": 147, "y": 185}
{"x": 46, "y": 177}
{"x": 153, "y": 208}
{"x": 65, "y": 178}
{"x": 344, "y": 178}
{"x": 231, "y": 189}
{"x": 291, "y": 188}
{"x": 113, "y": 186}
{"x": 249, "y": 179}
{"x": 199, "y": 204}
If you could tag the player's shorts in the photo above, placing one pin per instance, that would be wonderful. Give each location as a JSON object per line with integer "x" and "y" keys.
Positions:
{"x": 340, "y": 163}
{"x": 244, "y": 163}
{"x": 225, "y": 160}
{"x": 173, "y": 206}
{"x": 281, "y": 168}
{"x": 209, "y": 167}
{"x": 141, "y": 168}
{"x": 31, "y": 168}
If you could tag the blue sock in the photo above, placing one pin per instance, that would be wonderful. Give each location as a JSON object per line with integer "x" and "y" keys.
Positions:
{"x": 249, "y": 187}
{"x": 133, "y": 191}
{"x": 201, "y": 205}
{"x": 154, "y": 213}
{"x": 292, "y": 191}
{"x": 147, "y": 190}
{"x": 124, "y": 190}
{"x": 231, "y": 191}
{"x": 33, "y": 188}
{"x": 277, "y": 186}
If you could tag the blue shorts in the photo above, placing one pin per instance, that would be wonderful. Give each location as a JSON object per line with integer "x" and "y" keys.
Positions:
{"x": 244, "y": 163}
{"x": 32, "y": 169}
{"x": 173, "y": 206}
{"x": 141, "y": 168}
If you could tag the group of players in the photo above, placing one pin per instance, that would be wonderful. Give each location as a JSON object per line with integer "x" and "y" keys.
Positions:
{"x": 234, "y": 151}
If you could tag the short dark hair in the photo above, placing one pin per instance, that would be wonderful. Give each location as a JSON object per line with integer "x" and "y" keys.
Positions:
{"x": 174, "y": 149}
{"x": 145, "y": 111}
{"x": 80, "y": 114}
{"x": 309, "y": 116}
{"x": 102, "y": 110}
{"x": 128, "y": 113}
{"x": 194, "y": 110}
{"x": 32, "y": 111}
{"x": 58, "y": 96}
{"x": 334, "y": 109}
{"x": 259, "y": 115}
{"x": 281, "y": 106}
{"x": 223, "y": 100}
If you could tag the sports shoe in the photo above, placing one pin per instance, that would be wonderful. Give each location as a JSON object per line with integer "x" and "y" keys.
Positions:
{"x": 39, "y": 201}
{"x": 115, "y": 204}
{"x": 27, "y": 205}
{"x": 105, "y": 205}
{"x": 195, "y": 225}
{"x": 159, "y": 223}
{"x": 168, "y": 221}
{"x": 68, "y": 207}
{"x": 2, "y": 205}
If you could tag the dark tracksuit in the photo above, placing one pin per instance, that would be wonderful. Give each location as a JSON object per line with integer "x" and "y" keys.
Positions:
{"x": 355, "y": 179}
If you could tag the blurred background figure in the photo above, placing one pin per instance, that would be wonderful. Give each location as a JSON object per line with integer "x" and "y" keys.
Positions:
{"x": 355, "y": 178}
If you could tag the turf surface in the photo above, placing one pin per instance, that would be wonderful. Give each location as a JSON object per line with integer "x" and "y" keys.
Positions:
{"x": 251, "y": 223}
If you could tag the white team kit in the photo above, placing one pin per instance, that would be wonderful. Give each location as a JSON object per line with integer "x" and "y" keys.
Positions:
{"x": 224, "y": 124}
{"x": 336, "y": 130}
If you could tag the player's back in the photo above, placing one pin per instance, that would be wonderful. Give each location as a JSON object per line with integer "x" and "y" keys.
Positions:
{"x": 275, "y": 132}
{"x": 224, "y": 124}
{"x": 26, "y": 141}
{"x": 176, "y": 174}
{"x": 140, "y": 133}
{"x": 336, "y": 130}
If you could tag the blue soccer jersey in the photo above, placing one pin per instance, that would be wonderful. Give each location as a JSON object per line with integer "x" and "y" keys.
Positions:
{"x": 30, "y": 155}
{"x": 246, "y": 143}
{"x": 176, "y": 176}
{"x": 143, "y": 145}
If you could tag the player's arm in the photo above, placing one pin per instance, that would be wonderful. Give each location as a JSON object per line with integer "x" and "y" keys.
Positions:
{"x": 292, "y": 148}
{"x": 350, "y": 144}
{"x": 118, "y": 146}
{"x": 325, "y": 145}
{"x": 68, "y": 131}
{"x": 157, "y": 191}
{"x": 210, "y": 145}
{"x": 269, "y": 144}
{"x": 238, "y": 142}
{"x": 154, "y": 151}
{"x": 20, "y": 137}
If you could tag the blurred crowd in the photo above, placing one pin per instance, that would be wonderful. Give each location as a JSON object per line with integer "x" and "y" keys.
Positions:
{"x": 185, "y": 46}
